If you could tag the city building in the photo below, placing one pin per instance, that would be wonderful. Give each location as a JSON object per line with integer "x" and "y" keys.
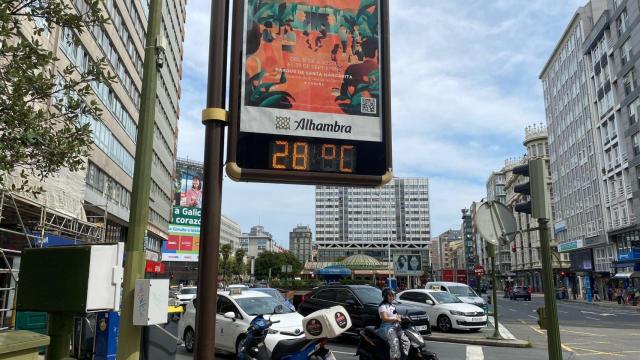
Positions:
{"x": 301, "y": 243}
{"x": 525, "y": 248}
{"x": 435, "y": 255}
{"x": 468, "y": 244}
{"x": 612, "y": 63}
{"x": 587, "y": 156}
{"x": 256, "y": 242}
{"x": 457, "y": 254}
{"x": 495, "y": 187}
{"x": 93, "y": 205}
{"x": 230, "y": 232}
{"x": 376, "y": 222}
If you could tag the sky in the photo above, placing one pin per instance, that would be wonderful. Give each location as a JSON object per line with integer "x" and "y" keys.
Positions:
{"x": 464, "y": 85}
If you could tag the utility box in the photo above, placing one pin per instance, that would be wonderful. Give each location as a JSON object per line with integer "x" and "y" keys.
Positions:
{"x": 151, "y": 301}
{"x": 71, "y": 279}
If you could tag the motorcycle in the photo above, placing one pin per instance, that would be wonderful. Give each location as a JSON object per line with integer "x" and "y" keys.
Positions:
{"x": 374, "y": 347}
{"x": 254, "y": 348}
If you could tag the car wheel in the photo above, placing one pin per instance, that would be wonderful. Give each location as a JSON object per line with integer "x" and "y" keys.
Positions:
{"x": 189, "y": 339}
{"x": 239, "y": 343}
{"x": 444, "y": 323}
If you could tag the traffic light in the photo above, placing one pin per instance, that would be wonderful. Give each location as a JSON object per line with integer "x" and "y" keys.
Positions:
{"x": 535, "y": 188}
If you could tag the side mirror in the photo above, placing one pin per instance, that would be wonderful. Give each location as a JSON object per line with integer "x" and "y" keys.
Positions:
{"x": 429, "y": 302}
{"x": 230, "y": 315}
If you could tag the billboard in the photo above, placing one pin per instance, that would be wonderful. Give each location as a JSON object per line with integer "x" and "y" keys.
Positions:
{"x": 310, "y": 91}
{"x": 407, "y": 264}
{"x": 188, "y": 189}
{"x": 184, "y": 235}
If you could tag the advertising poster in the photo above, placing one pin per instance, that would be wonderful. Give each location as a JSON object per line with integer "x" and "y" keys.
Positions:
{"x": 312, "y": 68}
{"x": 188, "y": 189}
{"x": 184, "y": 235}
{"x": 407, "y": 264}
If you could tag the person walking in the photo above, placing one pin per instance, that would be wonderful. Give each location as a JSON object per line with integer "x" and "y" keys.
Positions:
{"x": 619, "y": 295}
{"x": 596, "y": 294}
{"x": 609, "y": 293}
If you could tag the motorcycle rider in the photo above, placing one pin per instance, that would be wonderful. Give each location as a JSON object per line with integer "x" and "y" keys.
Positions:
{"x": 390, "y": 326}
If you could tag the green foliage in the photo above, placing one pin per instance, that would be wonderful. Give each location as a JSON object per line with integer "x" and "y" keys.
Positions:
{"x": 227, "y": 264}
{"x": 351, "y": 103}
{"x": 274, "y": 261}
{"x": 41, "y": 120}
{"x": 239, "y": 268}
{"x": 260, "y": 93}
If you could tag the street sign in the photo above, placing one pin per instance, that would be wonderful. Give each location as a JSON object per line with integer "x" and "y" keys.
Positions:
{"x": 310, "y": 97}
{"x": 495, "y": 221}
{"x": 479, "y": 271}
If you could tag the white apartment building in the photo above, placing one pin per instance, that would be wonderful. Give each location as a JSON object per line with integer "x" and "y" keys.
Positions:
{"x": 256, "y": 242}
{"x": 393, "y": 218}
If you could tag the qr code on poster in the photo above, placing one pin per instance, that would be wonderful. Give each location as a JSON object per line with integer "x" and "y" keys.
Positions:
{"x": 368, "y": 106}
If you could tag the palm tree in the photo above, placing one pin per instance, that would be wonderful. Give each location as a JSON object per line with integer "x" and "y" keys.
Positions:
{"x": 225, "y": 251}
{"x": 239, "y": 265}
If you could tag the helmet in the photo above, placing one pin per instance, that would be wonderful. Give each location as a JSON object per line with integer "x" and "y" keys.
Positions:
{"x": 386, "y": 292}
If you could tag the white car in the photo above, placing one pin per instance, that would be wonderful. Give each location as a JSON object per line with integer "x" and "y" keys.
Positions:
{"x": 186, "y": 294}
{"x": 464, "y": 292}
{"x": 445, "y": 310}
{"x": 235, "y": 310}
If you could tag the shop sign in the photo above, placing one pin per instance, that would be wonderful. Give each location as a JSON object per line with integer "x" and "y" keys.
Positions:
{"x": 570, "y": 245}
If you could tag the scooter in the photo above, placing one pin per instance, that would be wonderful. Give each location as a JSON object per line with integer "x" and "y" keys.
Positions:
{"x": 254, "y": 348}
{"x": 374, "y": 347}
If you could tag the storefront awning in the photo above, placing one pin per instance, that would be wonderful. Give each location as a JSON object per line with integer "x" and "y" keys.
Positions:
{"x": 627, "y": 275}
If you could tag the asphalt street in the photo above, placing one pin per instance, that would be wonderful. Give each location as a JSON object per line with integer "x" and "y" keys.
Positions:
{"x": 586, "y": 331}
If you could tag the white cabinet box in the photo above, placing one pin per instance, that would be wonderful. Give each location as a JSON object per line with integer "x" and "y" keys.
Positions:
{"x": 150, "y": 302}
{"x": 326, "y": 323}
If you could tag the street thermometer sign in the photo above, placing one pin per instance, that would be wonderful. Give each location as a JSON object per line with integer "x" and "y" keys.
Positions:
{"x": 310, "y": 88}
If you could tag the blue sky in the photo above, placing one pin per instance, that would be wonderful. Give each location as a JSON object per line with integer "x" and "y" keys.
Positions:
{"x": 464, "y": 86}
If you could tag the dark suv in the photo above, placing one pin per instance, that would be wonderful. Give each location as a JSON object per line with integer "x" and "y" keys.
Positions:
{"x": 520, "y": 292}
{"x": 361, "y": 301}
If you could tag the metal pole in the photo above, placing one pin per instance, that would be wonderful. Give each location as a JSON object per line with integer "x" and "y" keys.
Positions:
{"x": 492, "y": 249}
{"x": 212, "y": 192}
{"x": 130, "y": 336}
{"x": 60, "y": 332}
{"x": 551, "y": 309}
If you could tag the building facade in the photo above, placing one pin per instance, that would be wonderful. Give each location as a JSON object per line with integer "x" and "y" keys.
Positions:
{"x": 256, "y": 242}
{"x": 103, "y": 190}
{"x": 469, "y": 246}
{"x": 301, "y": 243}
{"x": 391, "y": 219}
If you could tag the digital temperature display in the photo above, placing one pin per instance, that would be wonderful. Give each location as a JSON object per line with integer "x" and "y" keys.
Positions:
{"x": 307, "y": 156}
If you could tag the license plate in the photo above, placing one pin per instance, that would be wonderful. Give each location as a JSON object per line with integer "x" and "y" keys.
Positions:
{"x": 477, "y": 319}
{"x": 422, "y": 328}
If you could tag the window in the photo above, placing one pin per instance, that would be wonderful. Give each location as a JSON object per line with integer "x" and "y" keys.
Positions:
{"x": 626, "y": 52}
{"x": 635, "y": 141}
{"x": 225, "y": 305}
{"x": 632, "y": 111}
{"x": 342, "y": 295}
{"x": 629, "y": 82}
{"x": 621, "y": 23}
{"x": 326, "y": 295}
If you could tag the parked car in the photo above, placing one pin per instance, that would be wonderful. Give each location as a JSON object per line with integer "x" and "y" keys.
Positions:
{"x": 464, "y": 292}
{"x": 446, "y": 311}
{"x": 186, "y": 294}
{"x": 235, "y": 310}
{"x": 276, "y": 294}
{"x": 361, "y": 302}
{"x": 520, "y": 292}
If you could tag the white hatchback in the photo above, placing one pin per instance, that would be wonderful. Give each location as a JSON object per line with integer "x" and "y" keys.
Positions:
{"x": 445, "y": 310}
{"x": 234, "y": 314}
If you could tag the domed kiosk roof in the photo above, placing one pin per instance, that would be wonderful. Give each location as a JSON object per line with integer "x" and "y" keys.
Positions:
{"x": 361, "y": 262}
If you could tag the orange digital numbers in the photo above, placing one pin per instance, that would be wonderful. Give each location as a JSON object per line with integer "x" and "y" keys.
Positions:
{"x": 328, "y": 152}
{"x": 346, "y": 158}
{"x": 280, "y": 155}
{"x": 300, "y": 156}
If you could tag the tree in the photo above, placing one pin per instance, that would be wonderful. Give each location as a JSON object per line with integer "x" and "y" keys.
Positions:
{"x": 225, "y": 251}
{"x": 43, "y": 115}
{"x": 274, "y": 261}
{"x": 239, "y": 268}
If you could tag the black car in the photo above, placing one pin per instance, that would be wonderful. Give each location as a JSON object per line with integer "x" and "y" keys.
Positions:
{"x": 361, "y": 301}
{"x": 520, "y": 292}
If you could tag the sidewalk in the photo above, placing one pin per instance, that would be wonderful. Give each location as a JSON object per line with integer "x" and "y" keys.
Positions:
{"x": 603, "y": 304}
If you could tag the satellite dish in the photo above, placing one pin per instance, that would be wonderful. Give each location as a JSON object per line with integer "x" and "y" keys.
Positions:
{"x": 495, "y": 222}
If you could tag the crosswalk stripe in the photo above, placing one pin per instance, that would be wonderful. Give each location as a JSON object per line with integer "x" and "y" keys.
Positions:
{"x": 474, "y": 352}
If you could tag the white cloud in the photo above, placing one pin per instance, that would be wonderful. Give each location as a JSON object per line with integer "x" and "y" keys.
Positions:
{"x": 464, "y": 86}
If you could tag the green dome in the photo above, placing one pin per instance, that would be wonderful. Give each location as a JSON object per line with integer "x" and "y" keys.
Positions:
{"x": 361, "y": 262}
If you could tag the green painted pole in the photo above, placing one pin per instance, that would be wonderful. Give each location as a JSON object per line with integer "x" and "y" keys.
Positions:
{"x": 60, "y": 332}
{"x": 551, "y": 309}
{"x": 492, "y": 255}
{"x": 130, "y": 337}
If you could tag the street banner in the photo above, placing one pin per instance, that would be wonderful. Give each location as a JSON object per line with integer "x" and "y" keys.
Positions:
{"x": 183, "y": 243}
{"x": 311, "y": 68}
{"x": 407, "y": 264}
{"x": 188, "y": 188}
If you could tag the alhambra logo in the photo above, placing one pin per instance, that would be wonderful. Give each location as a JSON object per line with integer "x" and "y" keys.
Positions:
{"x": 283, "y": 123}
{"x": 306, "y": 124}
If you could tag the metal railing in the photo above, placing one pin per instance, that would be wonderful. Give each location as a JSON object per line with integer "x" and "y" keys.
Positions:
{"x": 8, "y": 285}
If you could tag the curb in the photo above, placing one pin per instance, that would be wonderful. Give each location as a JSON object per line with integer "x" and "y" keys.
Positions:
{"x": 484, "y": 342}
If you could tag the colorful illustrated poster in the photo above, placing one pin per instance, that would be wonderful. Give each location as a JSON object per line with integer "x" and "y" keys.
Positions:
{"x": 312, "y": 68}
{"x": 184, "y": 235}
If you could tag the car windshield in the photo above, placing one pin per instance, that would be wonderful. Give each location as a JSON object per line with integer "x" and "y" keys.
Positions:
{"x": 273, "y": 293}
{"x": 445, "y": 298}
{"x": 369, "y": 295}
{"x": 462, "y": 291}
{"x": 262, "y": 305}
{"x": 188, "y": 291}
